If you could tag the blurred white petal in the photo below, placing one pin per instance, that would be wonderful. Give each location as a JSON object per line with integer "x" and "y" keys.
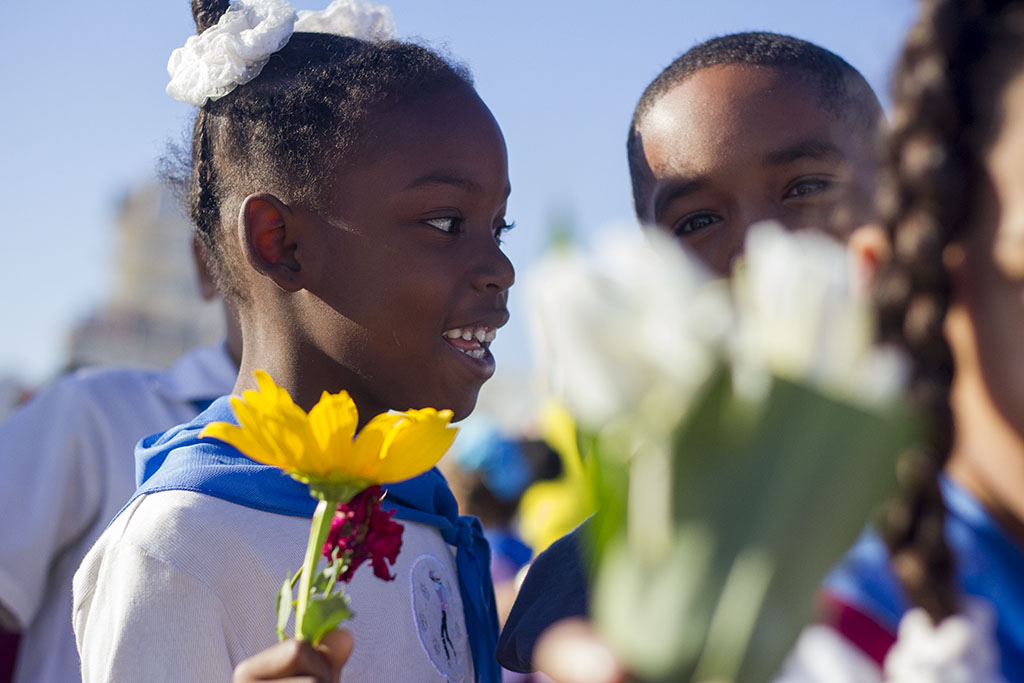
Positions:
{"x": 800, "y": 319}
{"x": 634, "y": 326}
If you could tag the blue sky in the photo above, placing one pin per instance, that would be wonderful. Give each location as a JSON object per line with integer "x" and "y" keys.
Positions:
{"x": 85, "y": 117}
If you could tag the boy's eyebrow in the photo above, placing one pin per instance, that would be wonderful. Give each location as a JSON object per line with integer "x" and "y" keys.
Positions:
{"x": 814, "y": 149}
{"x": 678, "y": 190}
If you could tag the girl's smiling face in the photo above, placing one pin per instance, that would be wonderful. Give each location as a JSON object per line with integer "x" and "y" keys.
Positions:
{"x": 407, "y": 279}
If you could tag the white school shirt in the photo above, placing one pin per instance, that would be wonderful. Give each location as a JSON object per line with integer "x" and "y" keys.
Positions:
{"x": 181, "y": 587}
{"x": 66, "y": 467}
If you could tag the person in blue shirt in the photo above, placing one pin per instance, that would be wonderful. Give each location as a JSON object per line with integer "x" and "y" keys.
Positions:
{"x": 739, "y": 129}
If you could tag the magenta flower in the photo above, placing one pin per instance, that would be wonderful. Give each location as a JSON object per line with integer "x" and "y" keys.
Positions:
{"x": 362, "y": 531}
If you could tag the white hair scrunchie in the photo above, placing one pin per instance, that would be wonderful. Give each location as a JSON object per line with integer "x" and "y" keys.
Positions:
{"x": 238, "y": 46}
{"x": 354, "y": 18}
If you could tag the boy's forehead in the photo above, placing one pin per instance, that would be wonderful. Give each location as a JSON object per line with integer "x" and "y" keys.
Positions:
{"x": 742, "y": 108}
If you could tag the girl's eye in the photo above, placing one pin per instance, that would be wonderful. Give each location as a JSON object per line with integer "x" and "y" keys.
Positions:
{"x": 499, "y": 231}
{"x": 695, "y": 223}
{"x": 807, "y": 186}
{"x": 447, "y": 224}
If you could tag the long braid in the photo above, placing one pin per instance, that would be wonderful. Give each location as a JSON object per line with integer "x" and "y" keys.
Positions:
{"x": 922, "y": 202}
{"x": 930, "y": 172}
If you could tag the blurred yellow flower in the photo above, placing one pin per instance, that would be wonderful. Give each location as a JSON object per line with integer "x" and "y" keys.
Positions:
{"x": 321, "y": 449}
{"x": 550, "y": 509}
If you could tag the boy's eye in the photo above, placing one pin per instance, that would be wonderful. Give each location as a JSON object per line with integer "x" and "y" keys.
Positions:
{"x": 807, "y": 186}
{"x": 694, "y": 223}
{"x": 446, "y": 224}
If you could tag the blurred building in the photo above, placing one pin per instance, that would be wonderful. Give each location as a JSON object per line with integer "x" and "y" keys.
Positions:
{"x": 154, "y": 311}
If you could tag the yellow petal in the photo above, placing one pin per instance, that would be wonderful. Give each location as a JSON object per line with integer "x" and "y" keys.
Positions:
{"x": 260, "y": 427}
{"x": 237, "y": 437}
{"x": 333, "y": 422}
{"x": 272, "y": 399}
{"x": 550, "y": 509}
{"x": 415, "y": 444}
{"x": 319, "y": 448}
{"x": 367, "y": 450}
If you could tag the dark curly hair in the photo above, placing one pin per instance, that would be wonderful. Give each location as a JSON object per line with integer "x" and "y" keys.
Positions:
{"x": 957, "y": 58}
{"x": 308, "y": 111}
{"x": 843, "y": 90}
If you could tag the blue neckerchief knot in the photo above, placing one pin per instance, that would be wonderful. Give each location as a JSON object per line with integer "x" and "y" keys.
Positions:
{"x": 178, "y": 460}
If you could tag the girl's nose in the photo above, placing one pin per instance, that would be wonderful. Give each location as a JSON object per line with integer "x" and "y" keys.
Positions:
{"x": 494, "y": 270}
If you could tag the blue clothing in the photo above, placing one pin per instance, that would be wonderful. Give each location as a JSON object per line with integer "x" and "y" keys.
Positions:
{"x": 508, "y": 553}
{"x": 555, "y": 588}
{"x": 178, "y": 460}
{"x": 990, "y": 566}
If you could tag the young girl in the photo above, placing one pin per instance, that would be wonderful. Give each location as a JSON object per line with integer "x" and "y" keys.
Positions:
{"x": 953, "y": 295}
{"x": 352, "y": 194}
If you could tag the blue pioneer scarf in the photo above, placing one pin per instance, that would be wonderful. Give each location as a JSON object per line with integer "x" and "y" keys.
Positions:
{"x": 990, "y": 566}
{"x": 178, "y": 461}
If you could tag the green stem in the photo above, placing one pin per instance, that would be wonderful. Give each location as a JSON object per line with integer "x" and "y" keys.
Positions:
{"x": 318, "y": 531}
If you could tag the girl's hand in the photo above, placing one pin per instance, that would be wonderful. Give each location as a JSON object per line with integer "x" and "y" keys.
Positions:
{"x": 298, "y": 661}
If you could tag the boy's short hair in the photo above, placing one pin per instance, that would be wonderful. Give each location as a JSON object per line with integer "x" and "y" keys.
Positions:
{"x": 843, "y": 90}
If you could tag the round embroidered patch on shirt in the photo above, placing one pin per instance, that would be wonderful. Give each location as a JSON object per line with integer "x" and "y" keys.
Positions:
{"x": 437, "y": 610}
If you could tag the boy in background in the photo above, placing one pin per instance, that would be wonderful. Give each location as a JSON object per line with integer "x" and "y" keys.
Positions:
{"x": 739, "y": 129}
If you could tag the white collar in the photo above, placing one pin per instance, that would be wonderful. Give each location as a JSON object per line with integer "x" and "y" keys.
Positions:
{"x": 205, "y": 372}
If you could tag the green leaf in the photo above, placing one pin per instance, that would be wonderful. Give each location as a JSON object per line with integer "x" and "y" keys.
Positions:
{"x": 764, "y": 498}
{"x": 323, "y": 615}
{"x": 654, "y": 613}
{"x": 283, "y": 606}
{"x": 792, "y": 481}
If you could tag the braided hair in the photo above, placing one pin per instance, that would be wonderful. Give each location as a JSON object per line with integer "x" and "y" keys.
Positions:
{"x": 309, "y": 110}
{"x": 945, "y": 114}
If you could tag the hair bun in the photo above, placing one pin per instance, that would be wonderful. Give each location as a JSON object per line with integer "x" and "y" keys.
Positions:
{"x": 208, "y": 12}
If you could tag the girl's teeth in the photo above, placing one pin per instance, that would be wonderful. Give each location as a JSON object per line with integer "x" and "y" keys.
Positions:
{"x": 480, "y": 334}
{"x": 475, "y": 353}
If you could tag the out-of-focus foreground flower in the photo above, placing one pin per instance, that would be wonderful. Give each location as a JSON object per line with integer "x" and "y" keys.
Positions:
{"x": 632, "y": 330}
{"x": 798, "y": 319}
{"x": 551, "y": 508}
{"x": 742, "y": 431}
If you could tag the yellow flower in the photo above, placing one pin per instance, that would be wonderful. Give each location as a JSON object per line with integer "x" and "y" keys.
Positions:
{"x": 550, "y": 509}
{"x": 321, "y": 449}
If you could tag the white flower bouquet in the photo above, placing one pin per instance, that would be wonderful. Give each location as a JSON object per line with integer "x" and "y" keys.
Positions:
{"x": 739, "y": 433}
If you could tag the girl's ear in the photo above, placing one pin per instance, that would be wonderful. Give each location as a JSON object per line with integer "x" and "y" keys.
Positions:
{"x": 269, "y": 235}
{"x": 869, "y": 249}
